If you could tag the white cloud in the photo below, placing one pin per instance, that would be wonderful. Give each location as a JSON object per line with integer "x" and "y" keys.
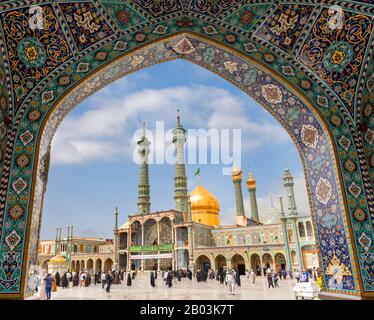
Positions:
{"x": 105, "y": 130}
{"x": 267, "y": 215}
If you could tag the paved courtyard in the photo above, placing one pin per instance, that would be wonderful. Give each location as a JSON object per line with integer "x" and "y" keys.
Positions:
{"x": 184, "y": 290}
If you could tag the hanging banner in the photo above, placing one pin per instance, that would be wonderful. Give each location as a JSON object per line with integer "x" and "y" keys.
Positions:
{"x": 151, "y": 256}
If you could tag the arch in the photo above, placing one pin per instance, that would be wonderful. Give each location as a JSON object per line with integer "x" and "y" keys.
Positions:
{"x": 75, "y": 248}
{"x": 90, "y": 265}
{"x": 293, "y": 258}
{"x": 122, "y": 261}
{"x": 83, "y": 265}
{"x": 77, "y": 266}
{"x": 123, "y": 240}
{"x": 72, "y": 266}
{"x": 98, "y": 265}
{"x": 256, "y": 263}
{"x": 203, "y": 263}
{"x": 136, "y": 233}
{"x": 267, "y": 261}
{"x": 238, "y": 263}
{"x": 108, "y": 264}
{"x": 81, "y": 248}
{"x": 301, "y": 228}
{"x": 220, "y": 262}
{"x": 326, "y": 130}
{"x": 150, "y": 232}
{"x": 280, "y": 261}
{"x": 309, "y": 229}
{"x": 165, "y": 230}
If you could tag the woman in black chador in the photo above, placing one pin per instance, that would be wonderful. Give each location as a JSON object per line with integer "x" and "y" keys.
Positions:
{"x": 169, "y": 279}
{"x": 237, "y": 278}
{"x": 65, "y": 282}
{"x": 221, "y": 276}
{"x": 189, "y": 274}
{"x": 152, "y": 279}
{"x": 129, "y": 281}
{"x": 58, "y": 279}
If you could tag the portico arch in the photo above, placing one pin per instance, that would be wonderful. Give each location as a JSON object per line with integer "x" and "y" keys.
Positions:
{"x": 108, "y": 265}
{"x": 220, "y": 262}
{"x": 98, "y": 265}
{"x": 238, "y": 263}
{"x": 321, "y": 120}
{"x": 203, "y": 263}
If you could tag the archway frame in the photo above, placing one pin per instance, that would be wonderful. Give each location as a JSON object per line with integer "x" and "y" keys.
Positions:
{"x": 346, "y": 221}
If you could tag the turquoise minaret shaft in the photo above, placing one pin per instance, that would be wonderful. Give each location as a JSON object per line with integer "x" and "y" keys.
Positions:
{"x": 292, "y": 213}
{"x": 251, "y": 186}
{"x": 285, "y": 234}
{"x": 180, "y": 179}
{"x": 236, "y": 176}
{"x": 144, "y": 204}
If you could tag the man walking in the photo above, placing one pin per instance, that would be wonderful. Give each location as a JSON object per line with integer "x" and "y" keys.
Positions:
{"x": 48, "y": 285}
{"x": 231, "y": 282}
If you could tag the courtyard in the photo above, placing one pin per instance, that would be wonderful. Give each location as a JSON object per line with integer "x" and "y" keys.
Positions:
{"x": 183, "y": 290}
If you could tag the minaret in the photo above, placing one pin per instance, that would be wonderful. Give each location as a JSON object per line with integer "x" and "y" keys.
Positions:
{"x": 292, "y": 213}
{"x": 115, "y": 231}
{"x": 180, "y": 179}
{"x": 144, "y": 204}
{"x": 283, "y": 220}
{"x": 236, "y": 175}
{"x": 251, "y": 186}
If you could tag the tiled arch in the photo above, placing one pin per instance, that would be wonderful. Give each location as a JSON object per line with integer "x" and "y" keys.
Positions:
{"x": 314, "y": 114}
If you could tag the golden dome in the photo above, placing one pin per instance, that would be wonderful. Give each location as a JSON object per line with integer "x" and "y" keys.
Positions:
{"x": 58, "y": 260}
{"x": 204, "y": 206}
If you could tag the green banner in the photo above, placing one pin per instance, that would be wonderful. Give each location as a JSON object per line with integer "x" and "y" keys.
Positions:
{"x": 161, "y": 247}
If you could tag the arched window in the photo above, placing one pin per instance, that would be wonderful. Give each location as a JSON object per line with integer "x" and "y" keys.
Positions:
{"x": 309, "y": 229}
{"x": 301, "y": 229}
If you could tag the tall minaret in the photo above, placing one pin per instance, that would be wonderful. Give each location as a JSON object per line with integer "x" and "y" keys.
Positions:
{"x": 251, "y": 186}
{"x": 292, "y": 213}
{"x": 144, "y": 204}
{"x": 283, "y": 220}
{"x": 288, "y": 183}
{"x": 116, "y": 236}
{"x": 236, "y": 175}
{"x": 180, "y": 179}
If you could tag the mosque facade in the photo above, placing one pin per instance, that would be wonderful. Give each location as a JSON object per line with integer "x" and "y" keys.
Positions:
{"x": 191, "y": 236}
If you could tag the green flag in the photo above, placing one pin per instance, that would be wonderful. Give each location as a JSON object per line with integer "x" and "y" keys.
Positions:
{"x": 197, "y": 173}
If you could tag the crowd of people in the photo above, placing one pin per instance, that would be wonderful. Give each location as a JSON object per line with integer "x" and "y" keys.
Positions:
{"x": 229, "y": 278}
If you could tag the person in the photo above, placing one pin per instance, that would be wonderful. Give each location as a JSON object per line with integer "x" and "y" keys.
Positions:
{"x": 108, "y": 281}
{"x": 103, "y": 277}
{"x": 253, "y": 275}
{"x": 68, "y": 277}
{"x": 189, "y": 274}
{"x": 76, "y": 280}
{"x": 82, "y": 279}
{"x": 152, "y": 279}
{"x": 284, "y": 272}
{"x": 270, "y": 279}
{"x": 231, "y": 281}
{"x": 48, "y": 285}
{"x": 42, "y": 290}
{"x": 64, "y": 281}
{"x": 221, "y": 276}
{"x": 129, "y": 281}
{"x": 54, "y": 284}
{"x": 169, "y": 279}
{"x": 237, "y": 278}
{"x": 296, "y": 275}
{"x": 58, "y": 279}
{"x": 275, "y": 279}
{"x": 320, "y": 281}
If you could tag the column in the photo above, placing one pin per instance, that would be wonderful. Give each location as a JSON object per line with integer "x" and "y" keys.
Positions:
{"x": 142, "y": 261}
{"x": 236, "y": 175}
{"x": 128, "y": 249}
{"x": 251, "y": 186}
{"x": 297, "y": 244}
{"x": 158, "y": 243}
{"x": 285, "y": 235}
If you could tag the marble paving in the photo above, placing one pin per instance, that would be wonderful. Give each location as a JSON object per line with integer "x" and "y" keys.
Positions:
{"x": 184, "y": 290}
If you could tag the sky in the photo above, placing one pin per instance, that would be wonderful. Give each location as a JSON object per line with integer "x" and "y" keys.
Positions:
{"x": 93, "y": 168}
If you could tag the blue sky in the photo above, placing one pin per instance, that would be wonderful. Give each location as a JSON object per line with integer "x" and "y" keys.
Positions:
{"x": 92, "y": 167}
